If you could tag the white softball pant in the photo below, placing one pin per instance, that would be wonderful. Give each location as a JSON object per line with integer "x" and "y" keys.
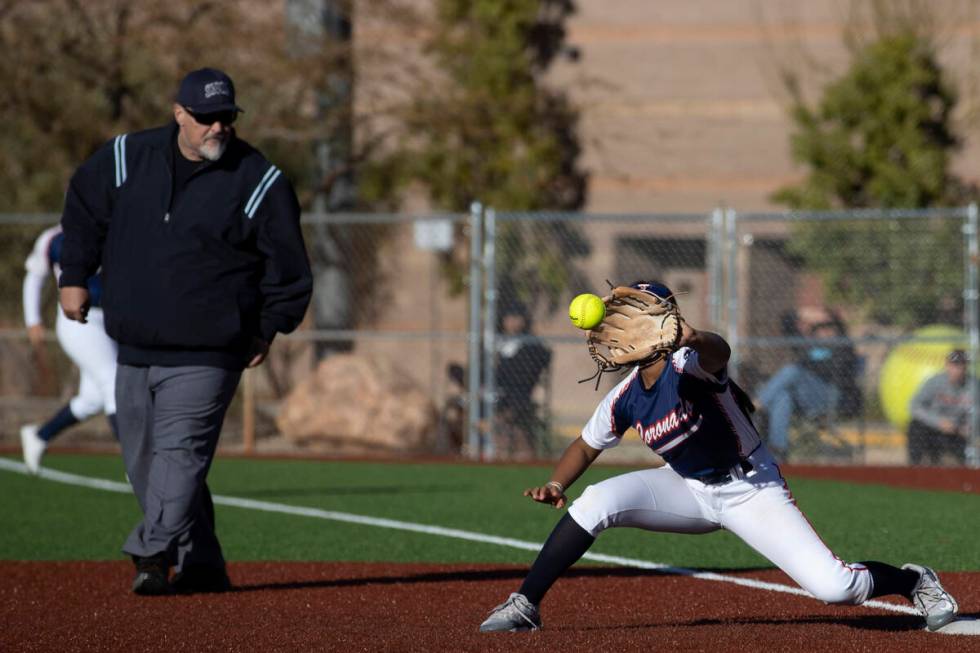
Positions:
{"x": 95, "y": 354}
{"x": 758, "y": 508}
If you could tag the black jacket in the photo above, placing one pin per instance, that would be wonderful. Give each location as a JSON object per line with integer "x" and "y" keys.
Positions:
{"x": 191, "y": 278}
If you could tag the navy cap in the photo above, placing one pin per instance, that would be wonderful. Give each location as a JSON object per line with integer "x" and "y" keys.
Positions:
{"x": 956, "y": 356}
{"x": 207, "y": 90}
{"x": 655, "y": 288}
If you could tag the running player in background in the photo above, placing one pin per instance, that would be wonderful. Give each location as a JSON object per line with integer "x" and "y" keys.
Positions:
{"x": 718, "y": 475}
{"x": 87, "y": 345}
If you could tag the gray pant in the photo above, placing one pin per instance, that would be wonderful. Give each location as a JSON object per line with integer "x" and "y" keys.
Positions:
{"x": 169, "y": 422}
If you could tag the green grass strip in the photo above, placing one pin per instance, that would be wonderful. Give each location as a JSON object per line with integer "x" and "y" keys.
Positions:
{"x": 44, "y": 520}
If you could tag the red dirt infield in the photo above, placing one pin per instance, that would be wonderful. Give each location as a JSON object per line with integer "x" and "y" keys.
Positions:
{"x": 952, "y": 479}
{"x": 86, "y": 606}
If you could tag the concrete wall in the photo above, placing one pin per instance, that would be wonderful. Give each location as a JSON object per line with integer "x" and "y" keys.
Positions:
{"x": 681, "y": 104}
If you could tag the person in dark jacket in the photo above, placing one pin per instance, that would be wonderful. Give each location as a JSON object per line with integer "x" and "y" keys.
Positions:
{"x": 521, "y": 362}
{"x": 203, "y": 262}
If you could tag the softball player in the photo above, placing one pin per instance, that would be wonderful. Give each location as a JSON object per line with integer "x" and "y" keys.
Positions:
{"x": 719, "y": 475}
{"x": 87, "y": 345}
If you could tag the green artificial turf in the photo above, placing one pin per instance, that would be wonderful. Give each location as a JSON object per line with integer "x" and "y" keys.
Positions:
{"x": 46, "y": 520}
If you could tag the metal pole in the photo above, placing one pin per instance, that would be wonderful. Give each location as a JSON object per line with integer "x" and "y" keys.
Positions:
{"x": 731, "y": 218}
{"x": 248, "y": 411}
{"x": 489, "y": 332}
{"x": 716, "y": 268}
{"x": 971, "y": 296}
{"x": 314, "y": 23}
{"x": 474, "y": 356}
{"x": 435, "y": 374}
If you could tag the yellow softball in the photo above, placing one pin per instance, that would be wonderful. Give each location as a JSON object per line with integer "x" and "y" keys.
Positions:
{"x": 586, "y": 311}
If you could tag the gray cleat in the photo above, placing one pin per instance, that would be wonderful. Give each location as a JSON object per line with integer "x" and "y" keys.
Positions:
{"x": 935, "y": 603}
{"x": 514, "y": 615}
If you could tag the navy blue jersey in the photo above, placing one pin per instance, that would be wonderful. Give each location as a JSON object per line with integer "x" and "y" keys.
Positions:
{"x": 689, "y": 417}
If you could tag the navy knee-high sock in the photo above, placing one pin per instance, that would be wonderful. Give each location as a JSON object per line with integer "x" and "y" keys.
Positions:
{"x": 890, "y": 580}
{"x": 61, "y": 420}
{"x": 567, "y": 543}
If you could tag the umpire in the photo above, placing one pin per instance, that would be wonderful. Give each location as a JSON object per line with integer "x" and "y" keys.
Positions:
{"x": 203, "y": 263}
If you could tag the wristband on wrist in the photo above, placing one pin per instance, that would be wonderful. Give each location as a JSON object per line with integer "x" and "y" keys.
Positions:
{"x": 558, "y": 486}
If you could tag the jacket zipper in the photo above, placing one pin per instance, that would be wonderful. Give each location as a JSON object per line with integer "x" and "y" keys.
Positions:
{"x": 170, "y": 196}
{"x": 170, "y": 200}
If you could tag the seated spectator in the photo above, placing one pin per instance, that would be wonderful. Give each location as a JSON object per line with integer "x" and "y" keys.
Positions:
{"x": 822, "y": 384}
{"x": 941, "y": 414}
{"x": 452, "y": 420}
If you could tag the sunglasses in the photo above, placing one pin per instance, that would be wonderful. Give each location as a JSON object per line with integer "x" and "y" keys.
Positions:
{"x": 208, "y": 119}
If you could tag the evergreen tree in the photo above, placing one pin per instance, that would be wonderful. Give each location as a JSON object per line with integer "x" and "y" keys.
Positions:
{"x": 881, "y": 137}
{"x": 86, "y": 71}
{"x": 492, "y": 130}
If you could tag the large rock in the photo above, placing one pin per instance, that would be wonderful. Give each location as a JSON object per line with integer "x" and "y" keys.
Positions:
{"x": 359, "y": 404}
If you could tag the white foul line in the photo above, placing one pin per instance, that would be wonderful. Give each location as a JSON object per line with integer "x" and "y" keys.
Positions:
{"x": 281, "y": 508}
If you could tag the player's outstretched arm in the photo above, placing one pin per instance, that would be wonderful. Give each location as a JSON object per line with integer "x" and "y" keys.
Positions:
{"x": 713, "y": 351}
{"x": 576, "y": 459}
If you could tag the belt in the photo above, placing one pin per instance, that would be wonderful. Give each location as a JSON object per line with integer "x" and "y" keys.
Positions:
{"x": 726, "y": 476}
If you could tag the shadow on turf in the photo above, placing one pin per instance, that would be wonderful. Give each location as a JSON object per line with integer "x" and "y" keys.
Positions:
{"x": 893, "y": 623}
{"x": 473, "y": 575}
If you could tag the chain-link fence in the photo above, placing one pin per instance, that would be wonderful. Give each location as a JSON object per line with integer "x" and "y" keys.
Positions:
{"x": 534, "y": 263}
{"x": 841, "y": 323}
{"x": 388, "y": 324}
{"x": 837, "y": 322}
{"x": 842, "y": 317}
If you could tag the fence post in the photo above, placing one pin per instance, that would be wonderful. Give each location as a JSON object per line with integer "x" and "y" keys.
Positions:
{"x": 972, "y": 319}
{"x": 489, "y": 331}
{"x": 474, "y": 356}
{"x": 248, "y": 411}
{"x": 716, "y": 268}
{"x": 731, "y": 332}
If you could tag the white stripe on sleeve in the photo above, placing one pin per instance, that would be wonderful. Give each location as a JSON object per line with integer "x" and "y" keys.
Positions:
{"x": 600, "y": 431}
{"x": 119, "y": 149}
{"x": 259, "y": 193}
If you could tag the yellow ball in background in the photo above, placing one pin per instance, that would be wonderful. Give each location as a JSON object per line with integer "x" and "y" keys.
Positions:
{"x": 586, "y": 311}
{"x": 909, "y": 365}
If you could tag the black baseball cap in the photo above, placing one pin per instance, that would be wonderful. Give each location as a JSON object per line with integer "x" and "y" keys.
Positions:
{"x": 956, "y": 356}
{"x": 207, "y": 90}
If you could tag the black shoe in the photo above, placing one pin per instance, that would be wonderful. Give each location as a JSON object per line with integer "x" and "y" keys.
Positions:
{"x": 195, "y": 579}
{"x": 151, "y": 575}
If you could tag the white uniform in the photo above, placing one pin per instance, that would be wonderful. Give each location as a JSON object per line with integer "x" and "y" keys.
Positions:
{"x": 87, "y": 345}
{"x": 718, "y": 475}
